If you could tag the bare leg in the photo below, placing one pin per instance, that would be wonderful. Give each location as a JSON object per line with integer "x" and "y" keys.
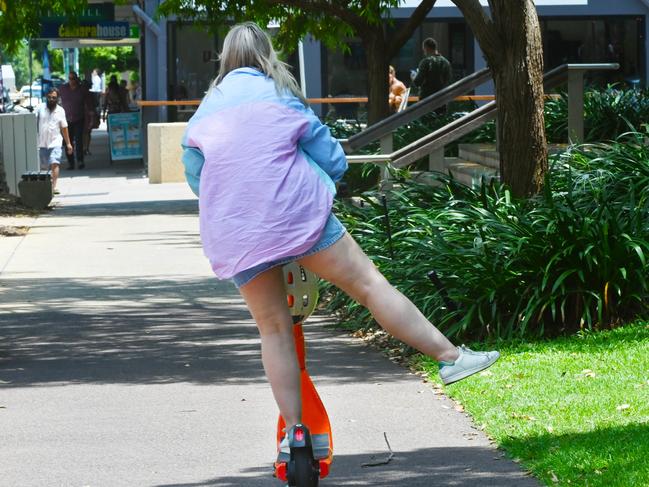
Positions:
{"x": 266, "y": 300}
{"x": 345, "y": 265}
{"x": 54, "y": 168}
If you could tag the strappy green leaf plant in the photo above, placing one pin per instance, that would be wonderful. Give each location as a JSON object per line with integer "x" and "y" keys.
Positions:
{"x": 574, "y": 257}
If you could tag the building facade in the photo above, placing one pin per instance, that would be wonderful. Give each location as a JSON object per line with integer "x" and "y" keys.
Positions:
{"x": 179, "y": 61}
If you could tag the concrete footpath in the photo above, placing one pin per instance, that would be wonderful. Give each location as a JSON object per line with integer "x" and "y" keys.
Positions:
{"x": 123, "y": 362}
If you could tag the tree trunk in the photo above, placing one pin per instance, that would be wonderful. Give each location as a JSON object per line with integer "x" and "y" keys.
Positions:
{"x": 518, "y": 76}
{"x": 510, "y": 37}
{"x": 377, "y": 73}
{"x": 521, "y": 131}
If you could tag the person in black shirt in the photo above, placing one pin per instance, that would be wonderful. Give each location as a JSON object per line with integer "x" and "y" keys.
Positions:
{"x": 434, "y": 72}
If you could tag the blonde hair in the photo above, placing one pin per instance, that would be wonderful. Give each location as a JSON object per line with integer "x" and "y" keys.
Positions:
{"x": 391, "y": 70}
{"x": 247, "y": 45}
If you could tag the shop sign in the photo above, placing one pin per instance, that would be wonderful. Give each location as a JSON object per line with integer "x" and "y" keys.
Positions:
{"x": 98, "y": 12}
{"x": 88, "y": 30}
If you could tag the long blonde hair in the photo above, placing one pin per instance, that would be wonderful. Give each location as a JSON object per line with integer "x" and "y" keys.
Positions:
{"x": 247, "y": 45}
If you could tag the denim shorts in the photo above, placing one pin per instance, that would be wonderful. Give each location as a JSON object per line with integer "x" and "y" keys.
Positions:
{"x": 333, "y": 231}
{"x": 49, "y": 156}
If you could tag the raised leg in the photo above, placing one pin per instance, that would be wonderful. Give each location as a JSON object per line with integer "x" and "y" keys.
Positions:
{"x": 345, "y": 265}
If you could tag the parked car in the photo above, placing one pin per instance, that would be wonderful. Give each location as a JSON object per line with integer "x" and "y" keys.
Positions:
{"x": 35, "y": 90}
{"x": 36, "y": 95}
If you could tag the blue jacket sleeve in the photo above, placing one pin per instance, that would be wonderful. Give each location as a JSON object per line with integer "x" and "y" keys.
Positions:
{"x": 318, "y": 143}
{"x": 193, "y": 160}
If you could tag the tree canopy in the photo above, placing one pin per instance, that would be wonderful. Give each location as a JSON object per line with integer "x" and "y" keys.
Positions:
{"x": 330, "y": 21}
{"x": 20, "y": 19}
{"x": 110, "y": 59}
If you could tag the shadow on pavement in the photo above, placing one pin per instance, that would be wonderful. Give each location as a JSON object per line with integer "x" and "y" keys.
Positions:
{"x": 147, "y": 330}
{"x": 118, "y": 209}
{"x": 455, "y": 466}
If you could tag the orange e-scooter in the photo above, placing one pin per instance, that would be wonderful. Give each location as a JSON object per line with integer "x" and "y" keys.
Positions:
{"x": 310, "y": 442}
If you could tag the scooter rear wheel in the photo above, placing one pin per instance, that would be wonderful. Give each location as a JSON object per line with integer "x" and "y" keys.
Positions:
{"x": 303, "y": 470}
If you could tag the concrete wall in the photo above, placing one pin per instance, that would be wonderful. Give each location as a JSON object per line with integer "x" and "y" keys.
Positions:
{"x": 18, "y": 147}
{"x": 164, "y": 152}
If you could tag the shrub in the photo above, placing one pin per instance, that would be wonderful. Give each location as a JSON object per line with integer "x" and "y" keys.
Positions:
{"x": 608, "y": 113}
{"x": 573, "y": 257}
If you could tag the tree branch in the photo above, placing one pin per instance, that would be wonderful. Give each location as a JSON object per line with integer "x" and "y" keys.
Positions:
{"x": 482, "y": 26}
{"x": 405, "y": 33}
{"x": 333, "y": 9}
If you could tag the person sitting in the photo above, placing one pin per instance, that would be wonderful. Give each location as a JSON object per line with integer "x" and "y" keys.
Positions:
{"x": 397, "y": 90}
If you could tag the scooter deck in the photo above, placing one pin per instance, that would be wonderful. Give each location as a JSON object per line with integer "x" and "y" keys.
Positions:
{"x": 314, "y": 416}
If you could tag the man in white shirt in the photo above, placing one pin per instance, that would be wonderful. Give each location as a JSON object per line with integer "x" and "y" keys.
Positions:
{"x": 96, "y": 81}
{"x": 52, "y": 130}
{"x": 96, "y": 88}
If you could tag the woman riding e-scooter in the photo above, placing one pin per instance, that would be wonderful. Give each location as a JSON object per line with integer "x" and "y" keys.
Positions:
{"x": 265, "y": 169}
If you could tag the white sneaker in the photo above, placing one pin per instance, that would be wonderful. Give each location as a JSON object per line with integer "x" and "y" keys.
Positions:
{"x": 468, "y": 363}
{"x": 284, "y": 450}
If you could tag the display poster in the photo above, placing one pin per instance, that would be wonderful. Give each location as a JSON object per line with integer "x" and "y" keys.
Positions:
{"x": 125, "y": 136}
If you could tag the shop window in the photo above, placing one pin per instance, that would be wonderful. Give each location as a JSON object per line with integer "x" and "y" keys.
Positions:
{"x": 602, "y": 40}
{"x": 191, "y": 68}
{"x": 345, "y": 71}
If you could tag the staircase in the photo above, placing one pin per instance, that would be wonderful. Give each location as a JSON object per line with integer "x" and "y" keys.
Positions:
{"x": 475, "y": 162}
{"x": 478, "y": 162}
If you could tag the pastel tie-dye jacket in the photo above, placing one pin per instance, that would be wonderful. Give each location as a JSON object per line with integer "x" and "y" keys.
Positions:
{"x": 264, "y": 168}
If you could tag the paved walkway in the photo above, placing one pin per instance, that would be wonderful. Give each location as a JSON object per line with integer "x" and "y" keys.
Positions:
{"x": 123, "y": 362}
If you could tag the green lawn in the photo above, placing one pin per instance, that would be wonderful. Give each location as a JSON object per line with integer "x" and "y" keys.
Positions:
{"x": 574, "y": 411}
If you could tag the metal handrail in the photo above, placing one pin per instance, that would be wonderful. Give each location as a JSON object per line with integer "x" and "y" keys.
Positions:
{"x": 472, "y": 120}
{"x": 559, "y": 75}
{"x": 413, "y": 112}
{"x": 444, "y": 135}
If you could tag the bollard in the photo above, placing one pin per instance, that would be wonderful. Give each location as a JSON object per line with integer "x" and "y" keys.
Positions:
{"x": 35, "y": 189}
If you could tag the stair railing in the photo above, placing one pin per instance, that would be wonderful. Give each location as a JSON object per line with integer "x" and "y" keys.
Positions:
{"x": 387, "y": 126}
{"x": 435, "y": 142}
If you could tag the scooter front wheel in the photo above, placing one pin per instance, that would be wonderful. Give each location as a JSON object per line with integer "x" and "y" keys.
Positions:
{"x": 302, "y": 469}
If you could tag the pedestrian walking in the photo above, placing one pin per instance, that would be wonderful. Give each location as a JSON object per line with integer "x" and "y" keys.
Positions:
{"x": 73, "y": 97}
{"x": 52, "y": 132}
{"x": 264, "y": 168}
{"x": 90, "y": 116}
{"x": 96, "y": 88}
{"x": 434, "y": 72}
{"x": 114, "y": 99}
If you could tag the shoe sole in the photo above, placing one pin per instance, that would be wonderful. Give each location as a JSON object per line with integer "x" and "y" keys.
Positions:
{"x": 469, "y": 372}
